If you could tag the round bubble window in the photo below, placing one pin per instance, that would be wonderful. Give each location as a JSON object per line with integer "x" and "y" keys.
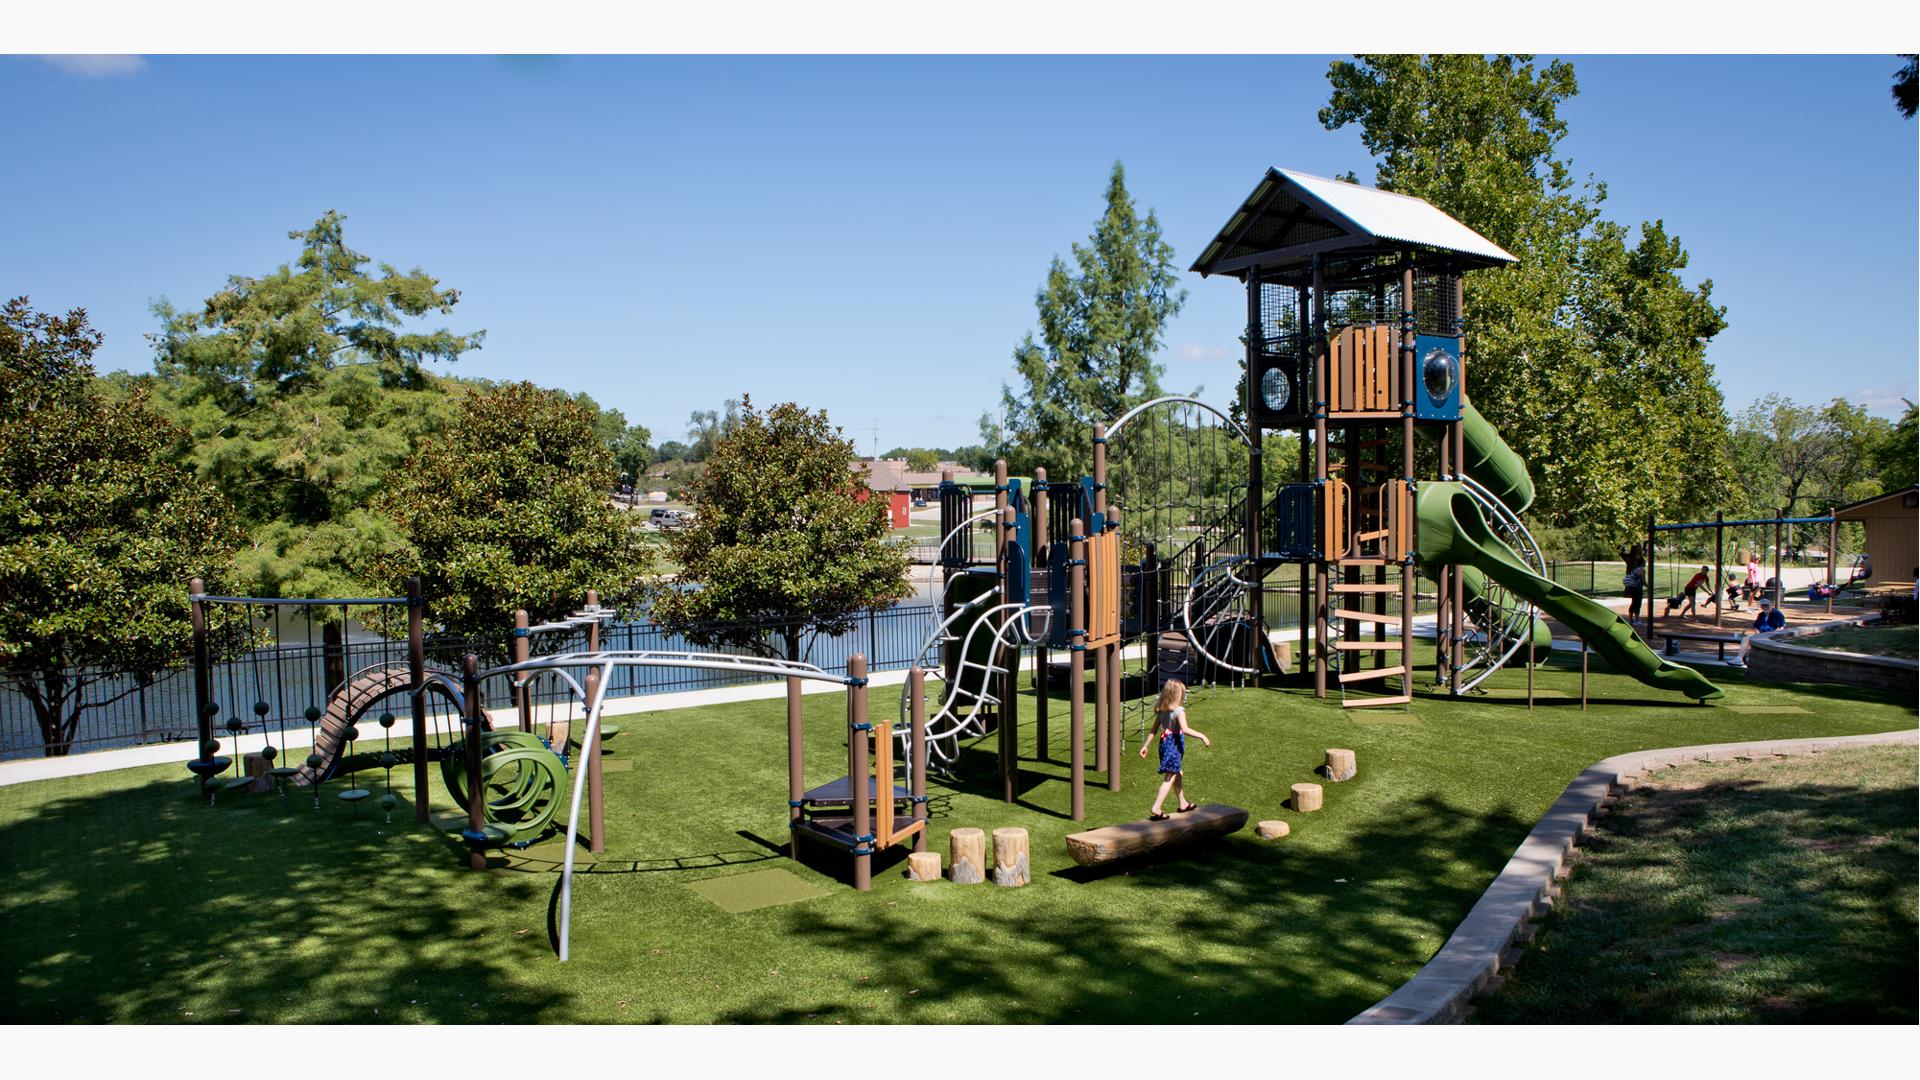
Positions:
{"x": 1276, "y": 390}
{"x": 1437, "y": 371}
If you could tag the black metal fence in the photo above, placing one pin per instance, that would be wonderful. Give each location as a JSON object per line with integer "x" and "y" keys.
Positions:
{"x": 289, "y": 677}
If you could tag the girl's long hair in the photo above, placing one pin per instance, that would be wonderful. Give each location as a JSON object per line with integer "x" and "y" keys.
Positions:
{"x": 1171, "y": 695}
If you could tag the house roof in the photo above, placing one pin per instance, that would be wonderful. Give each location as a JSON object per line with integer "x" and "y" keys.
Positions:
{"x": 1904, "y": 493}
{"x": 1292, "y": 216}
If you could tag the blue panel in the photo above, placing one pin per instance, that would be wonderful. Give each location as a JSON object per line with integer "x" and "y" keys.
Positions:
{"x": 1019, "y": 573}
{"x": 1290, "y": 525}
{"x": 1057, "y": 598}
{"x": 1436, "y": 384}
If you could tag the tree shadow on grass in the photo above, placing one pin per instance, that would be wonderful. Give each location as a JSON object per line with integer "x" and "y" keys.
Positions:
{"x": 1731, "y": 901}
{"x": 143, "y": 905}
{"x": 1236, "y": 931}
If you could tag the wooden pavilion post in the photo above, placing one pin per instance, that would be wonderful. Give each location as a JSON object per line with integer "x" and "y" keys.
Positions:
{"x": 1457, "y": 433}
{"x": 1041, "y": 507}
{"x": 1302, "y": 349}
{"x": 1077, "y": 666}
{"x": 1256, "y": 469}
{"x": 416, "y": 685}
{"x": 858, "y": 791}
{"x": 1409, "y": 366}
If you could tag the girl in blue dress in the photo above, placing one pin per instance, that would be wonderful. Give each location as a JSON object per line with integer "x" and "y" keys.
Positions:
{"x": 1170, "y": 725}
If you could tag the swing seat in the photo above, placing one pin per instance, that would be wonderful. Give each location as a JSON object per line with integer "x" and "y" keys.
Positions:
{"x": 487, "y": 836}
{"x": 354, "y": 794}
{"x": 207, "y": 768}
{"x": 237, "y": 783}
{"x": 281, "y": 772}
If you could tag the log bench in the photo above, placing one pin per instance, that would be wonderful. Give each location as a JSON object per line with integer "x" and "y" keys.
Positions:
{"x": 1131, "y": 838}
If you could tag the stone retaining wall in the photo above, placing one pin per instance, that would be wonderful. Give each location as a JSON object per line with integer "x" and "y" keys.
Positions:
{"x": 1774, "y": 659}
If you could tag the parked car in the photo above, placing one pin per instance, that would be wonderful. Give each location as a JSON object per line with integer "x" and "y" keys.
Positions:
{"x": 919, "y": 503}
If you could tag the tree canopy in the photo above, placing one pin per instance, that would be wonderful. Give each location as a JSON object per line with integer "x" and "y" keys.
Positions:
{"x": 1590, "y": 353}
{"x": 507, "y": 508}
{"x": 99, "y": 528}
{"x": 302, "y": 389}
{"x": 1102, "y": 321}
{"x": 786, "y": 537}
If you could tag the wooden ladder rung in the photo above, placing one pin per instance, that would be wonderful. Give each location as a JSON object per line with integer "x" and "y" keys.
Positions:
{"x": 1375, "y": 535}
{"x": 1386, "y": 587}
{"x": 1374, "y": 673}
{"x": 1368, "y": 646}
{"x": 1365, "y": 616}
{"x": 1361, "y": 703}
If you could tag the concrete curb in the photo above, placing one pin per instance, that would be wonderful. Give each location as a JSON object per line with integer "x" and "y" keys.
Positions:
{"x": 1487, "y": 939}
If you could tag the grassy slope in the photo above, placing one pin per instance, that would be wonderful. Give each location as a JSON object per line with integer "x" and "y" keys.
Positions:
{"x": 1778, "y": 890}
{"x": 124, "y": 900}
{"x": 1901, "y": 641}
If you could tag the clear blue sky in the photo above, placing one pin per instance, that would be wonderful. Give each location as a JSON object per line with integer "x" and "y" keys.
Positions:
{"x": 866, "y": 235}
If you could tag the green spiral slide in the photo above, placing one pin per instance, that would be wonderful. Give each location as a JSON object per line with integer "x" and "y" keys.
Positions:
{"x": 1453, "y": 531}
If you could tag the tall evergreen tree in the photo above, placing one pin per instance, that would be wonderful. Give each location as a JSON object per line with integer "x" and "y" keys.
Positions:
{"x": 302, "y": 390}
{"x": 1102, "y": 321}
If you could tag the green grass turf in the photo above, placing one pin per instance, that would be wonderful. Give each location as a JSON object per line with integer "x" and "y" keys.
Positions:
{"x": 1738, "y": 892}
{"x": 125, "y": 900}
{"x": 1900, "y": 641}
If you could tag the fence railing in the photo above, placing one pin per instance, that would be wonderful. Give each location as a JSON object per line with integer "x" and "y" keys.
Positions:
{"x": 291, "y": 676}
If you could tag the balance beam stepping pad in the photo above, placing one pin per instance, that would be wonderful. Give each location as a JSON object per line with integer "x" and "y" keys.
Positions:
{"x": 1097, "y": 846}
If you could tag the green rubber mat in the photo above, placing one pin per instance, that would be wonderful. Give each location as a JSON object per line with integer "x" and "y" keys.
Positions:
{"x": 1767, "y": 710}
{"x": 761, "y": 888}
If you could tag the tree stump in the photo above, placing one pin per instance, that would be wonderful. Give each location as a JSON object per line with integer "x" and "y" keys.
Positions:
{"x": 1340, "y": 766}
{"x": 260, "y": 769}
{"x": 1271, "y": 830}
{"x": 1306, "y": 797}
{"x": 1283, "y": 652}
{"x": 1011, "y": 867}
{"x": 969, "y": 856}
{"x": 923, "y": 866}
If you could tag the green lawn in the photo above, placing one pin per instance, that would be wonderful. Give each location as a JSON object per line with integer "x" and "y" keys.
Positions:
{"x": 1780, "y": 890}
{"x": 1901, "y": 641}
{"x": 125, "y": 900}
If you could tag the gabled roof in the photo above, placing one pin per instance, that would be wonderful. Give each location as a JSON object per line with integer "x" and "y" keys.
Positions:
{"x": 1292, "y": 216}
{"x": 1841, "y": 511}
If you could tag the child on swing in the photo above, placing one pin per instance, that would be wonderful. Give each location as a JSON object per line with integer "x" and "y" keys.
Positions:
{"x": 1170, "y": 724}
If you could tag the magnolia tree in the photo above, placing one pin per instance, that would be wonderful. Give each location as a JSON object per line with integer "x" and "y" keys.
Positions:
{"x": 786, "y": 538}
{"x": 99, "y": 529}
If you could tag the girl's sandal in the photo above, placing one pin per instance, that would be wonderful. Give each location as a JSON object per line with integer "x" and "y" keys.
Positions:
{"x": 1159, "y": 817}
{"x": 1189, "y": 806}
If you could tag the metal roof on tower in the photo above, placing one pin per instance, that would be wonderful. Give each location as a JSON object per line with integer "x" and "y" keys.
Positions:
{"x": 1292, "y": 216}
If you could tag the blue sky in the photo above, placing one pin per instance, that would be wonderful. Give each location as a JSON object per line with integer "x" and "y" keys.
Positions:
{"x": 866, "y": 235}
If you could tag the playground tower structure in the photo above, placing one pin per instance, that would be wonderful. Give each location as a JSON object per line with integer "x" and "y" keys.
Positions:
{"x": 1354, "y": 339}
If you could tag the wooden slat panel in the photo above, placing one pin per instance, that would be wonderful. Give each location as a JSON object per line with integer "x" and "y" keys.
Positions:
{"x": 1344, "y": 586}
{"x": 1103, "y": 589}
{"x": 1367, "y": 646}
{"x": 1383, "y": 337}
{"x": 1361, "y": 703}
{"x": 1366, "y": 616}
{"x": 1374, "y": 673}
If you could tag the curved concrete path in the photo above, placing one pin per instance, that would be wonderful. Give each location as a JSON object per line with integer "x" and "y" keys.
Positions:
{"x": 1488, "y": 939}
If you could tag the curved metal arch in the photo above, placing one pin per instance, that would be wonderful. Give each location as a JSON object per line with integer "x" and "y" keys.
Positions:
{"x": 1115, "y": 427}
{"x": 1513, "y": 632}
{"x": 1186, "y": 612}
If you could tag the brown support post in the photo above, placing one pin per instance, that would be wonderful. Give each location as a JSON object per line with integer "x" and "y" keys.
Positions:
{"x": 1407, "y": 370}
{"x": 1719, "y": 564}
{"x": 1457, "y": 435}
{"x": 858, "y": 733}
{"x": 1646, "y": 587}
{"x": 1100, "y": 717}
{"x": 333, "y": 655}
{"x": 1530, "y": 618}
{"x": 1040, "y": 509}
{"x": 522, "y": 651}
{"x": 917, "y": 754}
{"x": 596, "y": 801}
{"x": 1077, "y": 666}
{"x": 1305, "y": 317}
{"x": 1833, "y": 542}
{"x": 1114, "y": 732}
{"x": 1583, "y": 675}
{"x": 998, "y": 655}
{"x": 1010, "y": 681}
{"x": 1256, "y": 468}
{"x": 949, "y": 650}
{"x": 202, "y": 675}
{"x": 1320, "y": 476}
{"x": 1779, "y": 585}
{"x": 417, "y": 681}
{"x": 476, "y": 791}
{"x": 796, "y": 772}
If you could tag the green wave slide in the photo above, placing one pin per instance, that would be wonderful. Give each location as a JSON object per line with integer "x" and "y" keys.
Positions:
{"x": 1453, "y": 531}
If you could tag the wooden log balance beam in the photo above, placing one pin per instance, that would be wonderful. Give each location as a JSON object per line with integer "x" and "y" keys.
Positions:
{"x": 1096, "y": 846}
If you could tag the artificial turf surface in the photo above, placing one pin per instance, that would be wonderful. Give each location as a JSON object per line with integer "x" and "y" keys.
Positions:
{"x": 126, "y": 900}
